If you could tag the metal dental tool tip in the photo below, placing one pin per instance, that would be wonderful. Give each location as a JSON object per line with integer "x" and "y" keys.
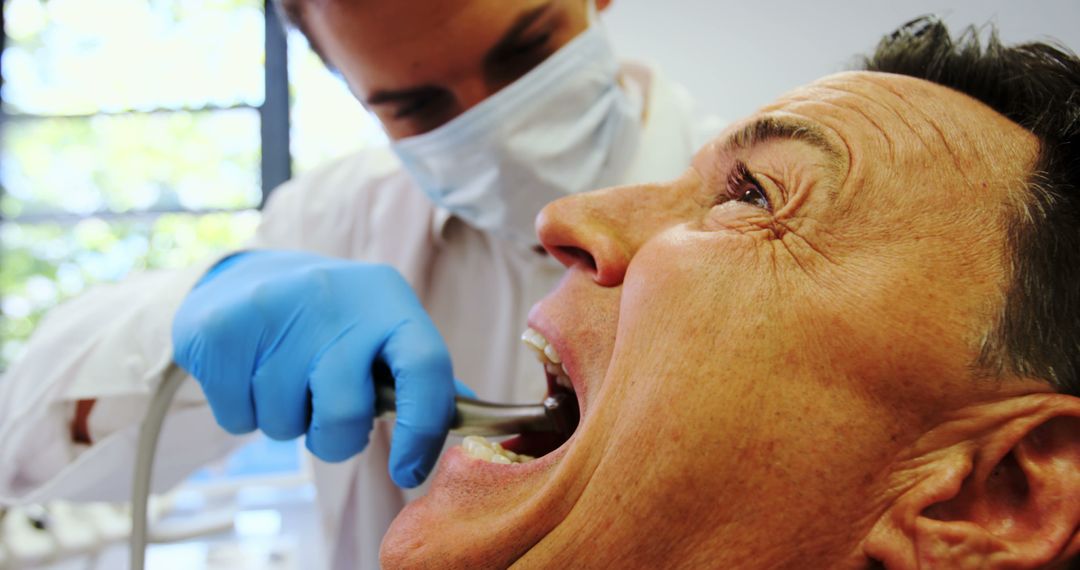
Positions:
{"x": 477, "y": 417}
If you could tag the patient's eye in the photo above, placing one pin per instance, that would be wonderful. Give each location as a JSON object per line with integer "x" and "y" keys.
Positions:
{"x": 743, "y": 187}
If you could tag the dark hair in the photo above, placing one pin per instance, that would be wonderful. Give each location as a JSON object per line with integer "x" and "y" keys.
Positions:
{"x": 291, "y": 14}
{"x": 1036, "y": 85}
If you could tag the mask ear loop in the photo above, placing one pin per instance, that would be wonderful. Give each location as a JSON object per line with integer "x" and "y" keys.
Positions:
{"x": 592, "y": 15}
{"x": 592, "y": 19}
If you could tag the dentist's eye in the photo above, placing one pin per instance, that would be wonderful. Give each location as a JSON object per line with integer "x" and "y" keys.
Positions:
{"x": 528, "y": 46}
{"x": 743, "y": 187}
{"x": 414, "y": 107}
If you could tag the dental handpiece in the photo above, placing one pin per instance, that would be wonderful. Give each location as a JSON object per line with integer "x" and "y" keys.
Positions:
{"x": 477, "y": 417}
{"x": 557, "y": 414}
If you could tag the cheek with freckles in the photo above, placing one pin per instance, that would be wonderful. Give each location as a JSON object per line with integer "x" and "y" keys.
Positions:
{"x": 718, "y": 398}
{"x": 689, "y": 283}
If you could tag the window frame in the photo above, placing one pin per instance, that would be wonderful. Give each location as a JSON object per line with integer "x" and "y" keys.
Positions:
{"x": 275, "y": 161}
{"x": 275, "y": 168}
{"x": 275, "y": 155}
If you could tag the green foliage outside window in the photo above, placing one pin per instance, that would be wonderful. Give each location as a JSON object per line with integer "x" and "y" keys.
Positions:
{"x": 126, "y": 163}
{"x": 44, "y": 264}
{"x": 113, "y": 117}
{"x": 119, "y": 110}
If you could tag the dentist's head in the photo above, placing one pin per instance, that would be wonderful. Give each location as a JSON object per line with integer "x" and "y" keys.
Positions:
{"x": 417, "y": 64}
{"x": 495, "y": 108}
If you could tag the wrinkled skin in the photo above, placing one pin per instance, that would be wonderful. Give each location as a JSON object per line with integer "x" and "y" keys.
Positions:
{"x": 766, "y": 385}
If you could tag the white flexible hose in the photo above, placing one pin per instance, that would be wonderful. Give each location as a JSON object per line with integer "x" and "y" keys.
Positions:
{"x": 144, "y": 460}
{"x": 471, "y": 417}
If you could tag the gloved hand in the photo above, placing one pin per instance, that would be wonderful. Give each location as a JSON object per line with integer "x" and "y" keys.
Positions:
{"x": 285, "y": 341}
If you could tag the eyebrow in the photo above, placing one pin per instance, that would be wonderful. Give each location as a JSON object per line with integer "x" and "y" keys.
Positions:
{"x": 509, "y": 38}
{"x": 766, "y": 129}
{"x": 383, "y": 96}
{"x": 513, "y": 34}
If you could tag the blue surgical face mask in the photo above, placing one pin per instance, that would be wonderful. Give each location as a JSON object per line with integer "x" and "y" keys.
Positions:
{"x": 564, "y": 127}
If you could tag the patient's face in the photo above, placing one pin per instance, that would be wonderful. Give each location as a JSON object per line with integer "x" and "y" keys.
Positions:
{"x": 754, "y": 342}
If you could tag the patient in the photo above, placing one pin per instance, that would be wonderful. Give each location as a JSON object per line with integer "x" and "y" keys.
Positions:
{"x": 847, "y": 337}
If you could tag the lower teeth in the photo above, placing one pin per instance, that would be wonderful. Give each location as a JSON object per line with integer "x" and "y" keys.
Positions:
{"x": 480, "y": 448}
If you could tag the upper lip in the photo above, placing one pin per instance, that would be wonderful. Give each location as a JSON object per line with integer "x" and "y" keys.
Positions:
{"x": 550, "y": 333}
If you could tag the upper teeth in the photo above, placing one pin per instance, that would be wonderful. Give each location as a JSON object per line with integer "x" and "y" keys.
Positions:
{"x": 547, "y": 355}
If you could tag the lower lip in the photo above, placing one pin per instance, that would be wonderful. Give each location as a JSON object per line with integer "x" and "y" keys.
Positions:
{"x": 459, "y": 465}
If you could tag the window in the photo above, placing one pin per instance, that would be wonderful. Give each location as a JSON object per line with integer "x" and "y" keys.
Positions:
{"x": 142, "y": 134}
{"x": 327, "y": 121}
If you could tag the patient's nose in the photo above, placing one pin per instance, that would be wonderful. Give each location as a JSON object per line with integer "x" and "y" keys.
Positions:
{"x": 601, "y": 231}
{"x": 579, "y": 233}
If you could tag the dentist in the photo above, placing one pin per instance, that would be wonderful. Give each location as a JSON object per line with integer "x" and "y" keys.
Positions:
{"x": 419, "y": 255}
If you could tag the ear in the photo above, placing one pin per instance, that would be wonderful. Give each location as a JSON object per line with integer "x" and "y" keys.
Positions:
{"x": 1004, "y": 494}
{"x": 602, "y": 5}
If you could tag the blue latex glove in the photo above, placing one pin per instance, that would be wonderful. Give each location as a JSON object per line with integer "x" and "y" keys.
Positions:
{"x": 284, "y": 342}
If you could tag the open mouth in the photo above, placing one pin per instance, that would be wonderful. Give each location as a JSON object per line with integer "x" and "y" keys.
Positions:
{"x": 531, "y": 445}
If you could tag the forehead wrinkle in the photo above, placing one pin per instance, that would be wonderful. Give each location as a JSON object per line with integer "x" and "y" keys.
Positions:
{"x": 839, "y": 105}
{"x": 884, "y": 133}
{"x": 918, "y": 110}
{"x": 842, "y": 99}
{"x": 844, "y": 166}
{"x": 876, "y": 101}
{"x": 887, "y": 132}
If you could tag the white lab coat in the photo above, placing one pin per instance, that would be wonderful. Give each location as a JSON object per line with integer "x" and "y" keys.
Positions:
{"x": 113, "y": 343}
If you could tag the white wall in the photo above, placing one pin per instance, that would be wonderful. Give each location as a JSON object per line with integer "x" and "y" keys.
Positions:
{"x": 735, "y": 56}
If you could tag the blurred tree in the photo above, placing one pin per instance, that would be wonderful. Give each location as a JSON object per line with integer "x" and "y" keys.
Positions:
{"x": 132, "y": 140}
{"x": 44, "y": 264}
{"x": 119, "y": 116}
